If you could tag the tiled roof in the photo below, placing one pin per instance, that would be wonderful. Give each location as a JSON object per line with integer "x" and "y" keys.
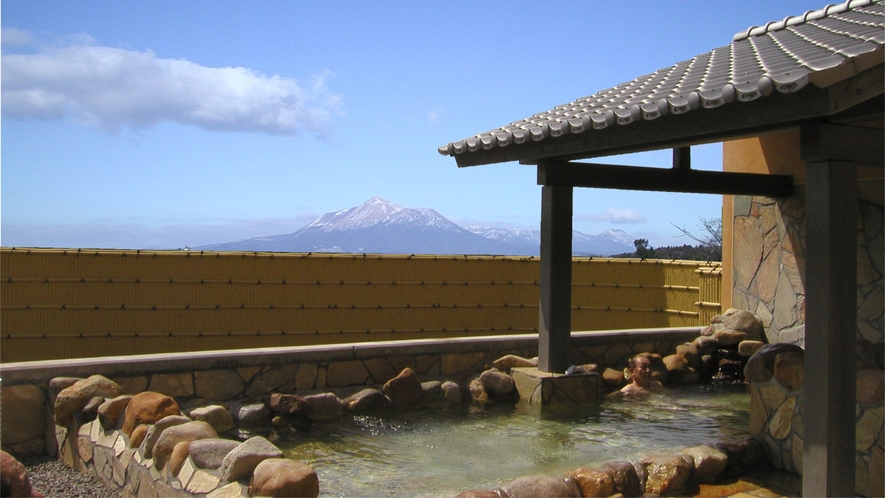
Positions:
{"x": 782, "y": 56}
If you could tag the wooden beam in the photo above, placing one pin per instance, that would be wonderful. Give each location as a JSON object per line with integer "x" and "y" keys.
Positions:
{"x": 682, "y": 158}
{"x": 563, "y": 173}
{"x": 555, "y": 320}
{"x": 830, "y": 329}
{"x": 775, "y": 112}
{"x": 825, "y": 142}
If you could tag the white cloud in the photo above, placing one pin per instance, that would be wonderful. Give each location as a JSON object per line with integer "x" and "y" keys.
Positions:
{"x": 111, "y": 88}
{"x": 614, "y": 215}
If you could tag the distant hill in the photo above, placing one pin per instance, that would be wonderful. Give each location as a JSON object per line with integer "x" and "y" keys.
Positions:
{"x": 380, "y": 226}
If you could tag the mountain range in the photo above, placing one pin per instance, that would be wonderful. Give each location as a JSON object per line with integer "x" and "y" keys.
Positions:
{"x": 382, "y": 227}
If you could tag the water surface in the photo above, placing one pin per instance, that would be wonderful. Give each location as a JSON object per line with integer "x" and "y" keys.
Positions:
{"x": 435, "y": 451}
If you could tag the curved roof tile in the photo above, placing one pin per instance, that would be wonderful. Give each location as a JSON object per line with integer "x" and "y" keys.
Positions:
{"x": 779, "y": 56}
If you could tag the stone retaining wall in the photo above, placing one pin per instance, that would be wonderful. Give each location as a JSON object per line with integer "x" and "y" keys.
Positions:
{"x": 27, "y": 423}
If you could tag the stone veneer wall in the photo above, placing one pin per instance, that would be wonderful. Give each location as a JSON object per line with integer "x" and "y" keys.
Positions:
{"x": 769, "y": 264}
{"x": 27, "y": 422}
{"x": 777, "y": 413}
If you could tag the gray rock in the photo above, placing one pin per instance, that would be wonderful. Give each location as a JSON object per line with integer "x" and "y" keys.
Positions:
{"x": 110, "y": 413}
{"x": 542, "y": 485}
{"x": 452, "y": 392}
{"x": 183, "y": 433}
{"x": 215, "y": 415}
{"x": 243, "y": 459}
{"x": 252, "y": 414}
{"x": 209, "y": 453}
{"x": 708, "y": 462}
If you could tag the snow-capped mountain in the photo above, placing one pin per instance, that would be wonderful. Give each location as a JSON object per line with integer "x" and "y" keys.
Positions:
{"x": 380, "y": 226}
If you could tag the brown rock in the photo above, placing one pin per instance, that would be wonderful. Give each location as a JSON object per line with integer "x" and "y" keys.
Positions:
{"x": 187, "y": 432}
{"x": 59, "y": 384}
{"x": 705, "y": 345}
{"x": 871, "y": 387}
{"x": 497, "y": 384}
{"x": 728, "y": 337}
{"x": 748, "y": 348}
{"x": 675, "y": 363}
{"x": 404, "y": 389}
{"x": 138, "y": 435}
{"x": 368, "y": 399}
{"x": 477, "y": 391}
{"x": 215, "y": 415}
{"x": 613, "y": 378}
{"x": 542, "y": 485}
{"x": 155, "y": 431}
{"x": 708, "y": 462}
{"x": 593, "y": 483}
{"x": 624, "y": 478}
{"x": 708, "y": 331}
{"x": 288, "y": 404}
{"x": 179, "y": 454}
{"x": 691, "y": 354}
{"x": 743, "y": 321}
{"x": 452, "y": 392}
{"x": 14, "y": 477}
{"x": 148, "y": 407}
{"x": 282, "y": 477}
{"x": 111, "y": 411}
{"x": 23, "y": 406}
{"x": 90, "y": 411}
{"x": 666, "y": 474}
{"x": 789, "y": 370}
{"x": 479, "y": 493}
{"x": 72, "y": 399}
{"x": 505, "y": 363}
{"x": 431, "y": 391}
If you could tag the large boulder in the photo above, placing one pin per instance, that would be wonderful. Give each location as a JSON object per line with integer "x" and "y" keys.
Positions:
{"x": 282, "y": 477}
{"x": 187, "y": 432}
{"x": 452, "y": 392}
{"x": 243, "y": 459}
{"x": 215, "y": 415}
{"x": 23, "y": 405}
{"x": 542, "y": 485}
{"x": 497, "y": 384}
{"x": 251, "y": 414}
{"x": 210, "y": 452}
{"x": 148, "y": 407}
{"x": 14, "y": 480}
{"x": 71, "y": 400}
{"x": 760, "y": 367}
{"x": 404, "y": 389}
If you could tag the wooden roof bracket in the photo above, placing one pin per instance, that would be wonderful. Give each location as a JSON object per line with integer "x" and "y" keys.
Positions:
{"x": 680, "y": 178}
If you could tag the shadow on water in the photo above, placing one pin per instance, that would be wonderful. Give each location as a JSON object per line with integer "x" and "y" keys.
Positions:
{"x": 444, "y": 450}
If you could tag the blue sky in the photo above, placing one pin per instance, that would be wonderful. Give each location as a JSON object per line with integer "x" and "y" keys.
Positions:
{"x": 167, "y": 123}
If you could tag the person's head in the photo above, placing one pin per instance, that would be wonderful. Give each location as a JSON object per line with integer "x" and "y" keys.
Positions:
{"x": 640, "y": 368}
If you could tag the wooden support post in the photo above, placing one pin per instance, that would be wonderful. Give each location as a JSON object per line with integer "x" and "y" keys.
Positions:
{"x": 556, "y": 279}
{"x": 830, "y": 329}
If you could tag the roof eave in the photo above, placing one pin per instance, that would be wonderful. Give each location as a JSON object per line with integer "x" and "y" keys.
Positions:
{"x": 736, "y": 120}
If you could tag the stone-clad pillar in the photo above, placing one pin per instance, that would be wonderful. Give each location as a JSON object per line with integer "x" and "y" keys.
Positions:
{"x": 830, "y": 329}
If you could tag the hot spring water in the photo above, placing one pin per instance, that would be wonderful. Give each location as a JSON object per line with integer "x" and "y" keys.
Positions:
{"x": 434, "y": 451}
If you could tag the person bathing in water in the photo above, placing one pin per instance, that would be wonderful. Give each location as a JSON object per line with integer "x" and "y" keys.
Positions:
{"x": 640, "y": 372}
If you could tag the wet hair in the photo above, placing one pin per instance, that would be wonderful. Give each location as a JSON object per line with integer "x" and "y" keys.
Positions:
{"x": 631, "y": 363}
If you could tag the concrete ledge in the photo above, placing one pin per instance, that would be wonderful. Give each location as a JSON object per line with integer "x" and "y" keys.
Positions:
{"x": 35, "y": 372}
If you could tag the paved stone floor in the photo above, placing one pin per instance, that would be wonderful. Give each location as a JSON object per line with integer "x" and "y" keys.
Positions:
{"x": 758, "y": 485}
